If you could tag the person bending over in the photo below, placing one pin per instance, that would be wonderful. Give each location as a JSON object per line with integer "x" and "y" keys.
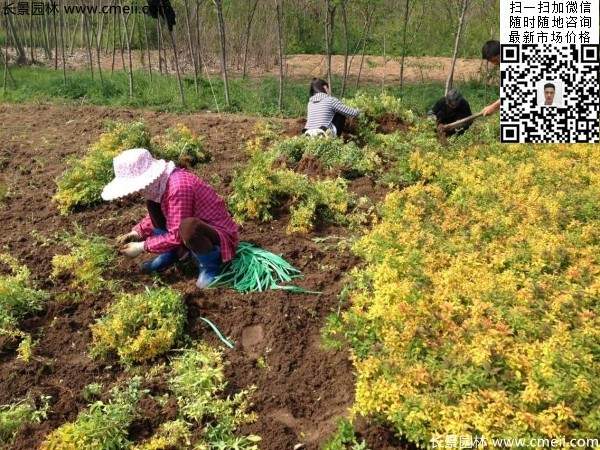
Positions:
{"x": 451, "y": 108}
{"x": 185, "y": 214}
{"x": 325, "y": 113}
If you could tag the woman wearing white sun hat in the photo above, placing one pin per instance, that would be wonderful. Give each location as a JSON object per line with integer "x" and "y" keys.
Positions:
{"x": 184, "y": 213}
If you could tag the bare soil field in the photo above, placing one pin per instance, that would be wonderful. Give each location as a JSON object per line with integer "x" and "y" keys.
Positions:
{"x": 301, "y": 390}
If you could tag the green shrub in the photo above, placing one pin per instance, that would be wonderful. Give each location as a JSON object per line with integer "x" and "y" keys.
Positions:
{"x": 174, "y": 434}
{"x": 82, "y": 182}
{"x": 103, "y": 426}
{"x": 179, "y": 144}
{"x": 259, "y": 187}
{"x": 18, "y": 297}
{"x": 476, "y": 311}
{"x": 345, "y": 438}
{"x": 346, "y": 158}
{"x": 375, "y": 107}
{"x": 198, "y": 382}
{"x": 139, "y": 327}
{"x": 14, "y": 416}
{"x": 90, "y": 256}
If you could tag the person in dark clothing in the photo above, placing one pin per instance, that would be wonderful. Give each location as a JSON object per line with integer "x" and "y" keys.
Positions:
{"x": 451, "y": 108}
{"x": 163, "y": 9}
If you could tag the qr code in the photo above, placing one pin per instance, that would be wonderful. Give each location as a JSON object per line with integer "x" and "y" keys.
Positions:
{"x": 531, "y": 112}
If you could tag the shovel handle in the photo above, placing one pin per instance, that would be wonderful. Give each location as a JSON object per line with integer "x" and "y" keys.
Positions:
{"x": 458, "y": 123}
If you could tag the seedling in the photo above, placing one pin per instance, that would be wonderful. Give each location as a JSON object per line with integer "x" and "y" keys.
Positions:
{"x": 14, "y": 416}
{"x": 139, "y": 327}
{"x": 89, "y": 258}
{"x": 18, "y": 297}
{"x": 103, "y": 426}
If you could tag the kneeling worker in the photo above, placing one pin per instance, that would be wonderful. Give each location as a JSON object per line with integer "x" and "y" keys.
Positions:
{"x": 451, "y": 108}
{"x": 185, "y": 214}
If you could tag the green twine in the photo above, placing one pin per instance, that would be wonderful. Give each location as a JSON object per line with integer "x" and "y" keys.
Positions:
{"x": 256, "y": 270}
{"x": 217, "y": 332}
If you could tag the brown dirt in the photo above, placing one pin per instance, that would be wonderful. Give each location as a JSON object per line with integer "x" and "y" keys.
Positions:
{"x": 419, "y": 69}
{"x": 301, "y": 388}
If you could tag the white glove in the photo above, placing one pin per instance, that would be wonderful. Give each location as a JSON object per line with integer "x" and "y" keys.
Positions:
{"x": 133, "y": 249}
{"x": 128, "y": 237}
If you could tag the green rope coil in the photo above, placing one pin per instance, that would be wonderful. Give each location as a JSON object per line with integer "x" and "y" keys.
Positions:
{"x": 256, "y": 270}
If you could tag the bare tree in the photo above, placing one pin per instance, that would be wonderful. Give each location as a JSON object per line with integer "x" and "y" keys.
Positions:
{"x": 21, "y": 55}
{"x": 279, "y": 11}
{"x": 7, "y": 73}
{"x": 404, "y": 32}
{"x": 329, "y": 22}
{"x": 461, "y": 22}
{"x": 179, "y": 82}
{"x": 147, "y": 48}
{"x": 219, "y": 6}
{"x": 88, "y": 43}
{"x": 62, "y": 40}
{"x": 369, "y": 20}
{"x": 347, "y": 45}
{"x": 128, "y": 43}
{"x": 98, "y": 41}
{"x": 191, "y": 46}
{"x": 247, "y": 36}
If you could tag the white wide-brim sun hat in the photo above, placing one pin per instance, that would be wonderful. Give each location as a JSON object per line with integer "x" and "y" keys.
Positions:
{"x": 135, "y": 170}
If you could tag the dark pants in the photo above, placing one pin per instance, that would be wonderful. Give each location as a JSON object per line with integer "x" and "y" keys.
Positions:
{"x": 197, "y": 236}
{"x": 339, "y": 120}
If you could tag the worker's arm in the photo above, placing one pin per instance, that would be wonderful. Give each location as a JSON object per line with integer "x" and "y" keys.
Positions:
{"x": 144, "y": 228}
{"x": 435, "y": 109}
{"x": 339, "y": 107}
{"x": 491, "y": 109}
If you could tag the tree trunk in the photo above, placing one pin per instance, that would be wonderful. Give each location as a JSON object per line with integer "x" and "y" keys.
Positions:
{"x": 130, "y": 72}
{"x": 21, "y": 55}
{"x": 46, "y": 31}
{"x": 55, "y": 41}
{"x": 247, "y": 38}
{"x": 31, "y": 40}
{"x": 198, "y": 41}
{"x": 62, "y": 41}
{"x": 179, "y": 82}
{"x": 219, "y": 6}
{"x": 364, "y": 44}
{"x": 114, "y": 43}
{"x": 88, "y": 44}
{"x": 279, "y": 11}
{"x": 7, "y": 73}
{"x": 329, "y": 16}
{"x": 406, "y": 16}
{"x": 99, "y": 47}
{"x": 347, "y": 49}
{"x": 191, "y": 46}
{"x": 384, "y": 63}
{"x": 121, "y": 47}
{"x": 147, "y": 48}
{"x": 461, "y": 22}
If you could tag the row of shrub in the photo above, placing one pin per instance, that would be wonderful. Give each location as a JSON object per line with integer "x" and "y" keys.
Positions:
{"x": 84, "y": 178}
{"x": 476, "y": 313}
{"x": 274, "y": 174}
{"x": 206, "y": 418}
{"x": 136, "y": 327}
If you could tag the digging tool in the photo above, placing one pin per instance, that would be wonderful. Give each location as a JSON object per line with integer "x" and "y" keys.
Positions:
{"x": 458, "y": 123}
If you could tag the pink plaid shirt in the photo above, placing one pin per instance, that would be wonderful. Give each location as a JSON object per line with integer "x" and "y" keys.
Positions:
{"x": 185, "y": 196}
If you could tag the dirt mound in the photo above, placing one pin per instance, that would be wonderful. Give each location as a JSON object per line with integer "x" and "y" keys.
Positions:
{"x": 301, "y": 388}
